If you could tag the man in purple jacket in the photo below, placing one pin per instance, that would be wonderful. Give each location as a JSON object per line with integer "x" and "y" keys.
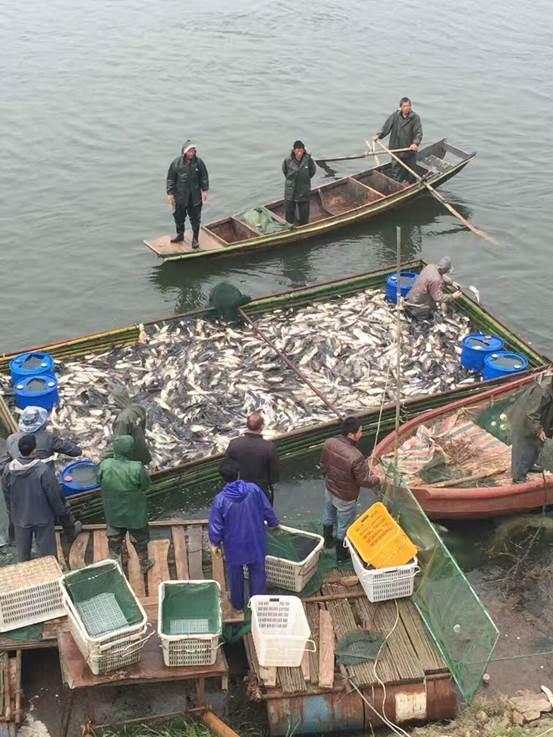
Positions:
{"x": 237, "y": 521}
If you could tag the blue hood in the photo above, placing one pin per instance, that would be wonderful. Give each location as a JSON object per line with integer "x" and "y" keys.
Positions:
{"x": 236, "y": 491}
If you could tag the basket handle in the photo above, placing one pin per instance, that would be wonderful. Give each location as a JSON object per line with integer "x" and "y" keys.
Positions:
{"x": 135, "y": 640}
{"x": 309, "y": 650}
{"x": 193, "y": 651}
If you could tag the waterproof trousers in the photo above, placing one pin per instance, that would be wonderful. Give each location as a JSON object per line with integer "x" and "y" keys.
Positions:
{"x": 297, "y": 211}
{"x": 44, "y": 537}
{"x": 194, "y": 212}
{"x": 525, "y": 453}
{"x": 399, "y": 172}
{"x": 257, "y": 578}
{"x": 139, "y": 538}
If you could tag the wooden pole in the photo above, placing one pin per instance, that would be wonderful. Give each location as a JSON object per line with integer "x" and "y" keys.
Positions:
{"x": 439, "y": 197}
{"x": 398, "y": 346}
{"x": 289, "y": 363}
{"x": 217, "y": 726}
{"x": 360, "y": 156}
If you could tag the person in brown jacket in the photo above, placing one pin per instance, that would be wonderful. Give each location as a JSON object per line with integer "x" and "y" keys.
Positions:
{"x": 345, "y": 470}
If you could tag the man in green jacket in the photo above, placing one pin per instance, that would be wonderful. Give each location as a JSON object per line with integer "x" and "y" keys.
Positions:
{"x": 187, "y": 188}
{"x": 405, "y": 129}
{"x": 298, "y": 169}
{"x": 131, "y": 420}
{"x": 124, "y": 483}
{"x": 531, "y": 425}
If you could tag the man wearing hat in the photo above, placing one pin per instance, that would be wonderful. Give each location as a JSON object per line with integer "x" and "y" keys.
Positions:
{"x": 429, "y": 290}
{"x": 298, "y": 169}
{"x": 187, "y": 188}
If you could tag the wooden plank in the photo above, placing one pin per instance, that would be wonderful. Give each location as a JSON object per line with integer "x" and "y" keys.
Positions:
{"x": 180, "y": 552}
{"x": 291, "y": 680}
{"x": 59, "y": 552}
{"x": 163, "y": 246}
{"x": 158, "y": 551}
{"x": 306, "y": 667}
{"x": 326, "y": 650}
{"x": 100, "y": 545}
{"x": 154, "y": 523}
{"x": 312, "y": 612}
{"x": 195, "y": 552}
{"x": 136, "y": 577}
{"x": 427, "y": 653}
{"x": 78, "y": 551}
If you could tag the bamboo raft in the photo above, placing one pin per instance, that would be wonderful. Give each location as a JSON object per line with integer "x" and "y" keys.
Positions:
{"x": 295, "y": 444}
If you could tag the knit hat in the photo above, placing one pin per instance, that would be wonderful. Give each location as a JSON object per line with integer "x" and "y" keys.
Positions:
{"x": 187, "y": 145}
{"x": 32, "y": 419}
{"x": 298, "y": 144}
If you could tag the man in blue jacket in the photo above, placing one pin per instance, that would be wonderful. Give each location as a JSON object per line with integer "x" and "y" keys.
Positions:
{"x": 237, "y": 521}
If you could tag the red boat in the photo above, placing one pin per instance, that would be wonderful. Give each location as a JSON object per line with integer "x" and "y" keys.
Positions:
{"x": 456, "y": 459}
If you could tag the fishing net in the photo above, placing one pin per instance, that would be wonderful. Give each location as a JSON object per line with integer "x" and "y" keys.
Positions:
{"x": 262, "y": 220}
{"x": 191, "y": 609}
{"x": 103, "y": 599}
{"x": 454, "y": 615}
{"x": 290, "y": 545}
{"x": 225, "y": 301}
{"x": 358, "y": 647}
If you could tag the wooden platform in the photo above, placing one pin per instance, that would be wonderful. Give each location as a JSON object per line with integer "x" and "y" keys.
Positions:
{"x": 164, "y": 248}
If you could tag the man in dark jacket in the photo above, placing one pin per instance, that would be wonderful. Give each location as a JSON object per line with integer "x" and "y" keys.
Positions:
{"x": 34, "y": 420}
{"x": 131, "y": 420}
{"x": 124, "y": 483}
{"x": 187, "y": 188}
{"x": 298, "y": 169}
{"x": 237, "y": 521}
{"x": 256, "y": 457}
{"x": 34, "y": 499}
{"x": 531, "y": 425}
{"x": 405, "y": 129}
{"x": 345, "y": 470}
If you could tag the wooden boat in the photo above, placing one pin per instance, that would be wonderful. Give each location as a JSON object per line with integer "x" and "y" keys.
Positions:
{"x": 458, "y": 431}
{"x": 335, "y": 205}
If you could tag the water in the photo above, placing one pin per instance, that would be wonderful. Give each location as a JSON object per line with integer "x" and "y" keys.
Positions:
{"x": 98, "y": 98}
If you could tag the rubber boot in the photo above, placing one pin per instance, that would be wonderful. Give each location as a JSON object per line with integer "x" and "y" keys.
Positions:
{"x": 342, "y": 553}
{"x": 195, "y": 241}
{"x": 178, "y": 238}
{"x": 145, "y": 564}
{"x": 328, "y": 535}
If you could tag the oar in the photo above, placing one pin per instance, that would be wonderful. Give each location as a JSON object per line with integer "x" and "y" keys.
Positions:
{"x": 359, "y": 156}
{"x": 438, "y": 196}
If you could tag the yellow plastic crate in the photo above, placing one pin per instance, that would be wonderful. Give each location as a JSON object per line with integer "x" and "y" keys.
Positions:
{"x": 379, "y": 539}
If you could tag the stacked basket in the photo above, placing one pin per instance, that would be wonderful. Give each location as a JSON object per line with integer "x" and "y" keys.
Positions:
{"x": 30, "y": 593}
{"x": 106, "y": 619}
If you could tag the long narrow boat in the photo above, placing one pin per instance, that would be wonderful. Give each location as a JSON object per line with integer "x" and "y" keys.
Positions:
{"x": 334, "y": 205}
{"x": 468, "y": 442}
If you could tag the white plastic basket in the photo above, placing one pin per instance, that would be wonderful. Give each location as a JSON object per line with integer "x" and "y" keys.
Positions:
{"x": 193, "y": 648}
{"x": 30, "y": 593}
{"x": 118, "y": 648}
{"x": 291, "y": 576}
{"x": 280, "y": 630}
{"x": 382, "y": 584}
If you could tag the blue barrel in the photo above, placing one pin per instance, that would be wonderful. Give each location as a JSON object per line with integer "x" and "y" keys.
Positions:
{"x": 31, "y": 364}
{"x": 502, "y": 364}
{"x": 38, "y": 391}
{"x": 406, "y": 281}
{"x": 476, "y": 347}
{"x": 79, "y": 476}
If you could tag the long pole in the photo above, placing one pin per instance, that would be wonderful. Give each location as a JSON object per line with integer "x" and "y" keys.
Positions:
{"x": 361, "y": 156}
{"x": 398, "y": 345}
{"x": 289, "y": 363}
{"x": 439, "y": 197}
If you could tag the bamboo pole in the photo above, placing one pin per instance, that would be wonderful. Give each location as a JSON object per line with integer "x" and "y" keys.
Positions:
{"x": 398, "y": 345}
{"x": 439, "y": 197}
{"x": 217, "y": 726}
{"x": 360, "y": 156}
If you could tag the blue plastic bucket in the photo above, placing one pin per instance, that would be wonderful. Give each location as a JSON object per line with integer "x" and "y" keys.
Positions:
{"x": 406, "y": 281}
{"x": 79, "y": 476}
{"x": 503, "y": 363}
{"x": 38, "y": 391}
{"x": 31, "y": 364}
{"x": 476, "y": 347}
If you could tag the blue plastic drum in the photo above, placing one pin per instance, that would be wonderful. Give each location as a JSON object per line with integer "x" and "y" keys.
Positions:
{"x": 38, "y": 391}
{"x": 79, "y": 476}
{"x": 503, "y": 363}
{"x": 476, "y": 347}
{"x": 406, "y": 281}
{"x": 31, "y": 364}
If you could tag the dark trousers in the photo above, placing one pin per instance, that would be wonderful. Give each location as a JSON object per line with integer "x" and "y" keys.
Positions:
{"x": 194, "y": 212}
{"x": 139, "y": 538}
{"x": 257, "y": 578}
{"x": 45, "y": 541}
{"x": 525, "y": 452}
{"x": 399, "y": 172}
{"x": 297, "y": 212}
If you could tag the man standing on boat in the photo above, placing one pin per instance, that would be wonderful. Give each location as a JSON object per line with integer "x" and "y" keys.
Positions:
{"x": 187, "y": 188}
{"x": 405, "y": 129}
{"x": 298, "y": 169}
{"x": 131, "y": 420}
{"x": 346, "y": 470}
{"x": 429, "y": 290}
{"x": 531, "y": 425}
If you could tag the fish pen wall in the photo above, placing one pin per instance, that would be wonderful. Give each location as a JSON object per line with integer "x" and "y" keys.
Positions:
{"x": 313, "y": 326}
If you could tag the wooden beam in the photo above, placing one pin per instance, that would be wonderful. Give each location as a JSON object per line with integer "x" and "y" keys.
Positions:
{"x": 60, "y": 554}
{"x": 100, "y": 545}
{"x": 158, "y": 551}
{"x": 326, "y": 650}
{"x": 136, "y": 577}
{"x": 78, "y": 551}
{"x": 195, "y": 552}
{"x": 217, "y": 726}
{"x": 181, "y": 553}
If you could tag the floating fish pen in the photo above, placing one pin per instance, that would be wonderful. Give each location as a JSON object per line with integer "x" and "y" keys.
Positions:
{"x": 340, "y": 334}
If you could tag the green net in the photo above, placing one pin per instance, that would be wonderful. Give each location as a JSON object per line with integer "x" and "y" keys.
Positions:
{"x": 291, "y": 546}
{"x": 359, "y": 646}
{"x": 191, "y": 609}
{"x": 103, "y": 599}
{"x": 454, "y": 615}
{"x": 262, "y": 220}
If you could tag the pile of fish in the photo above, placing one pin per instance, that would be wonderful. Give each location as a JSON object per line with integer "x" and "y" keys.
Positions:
{"x": 199, "y": 379}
